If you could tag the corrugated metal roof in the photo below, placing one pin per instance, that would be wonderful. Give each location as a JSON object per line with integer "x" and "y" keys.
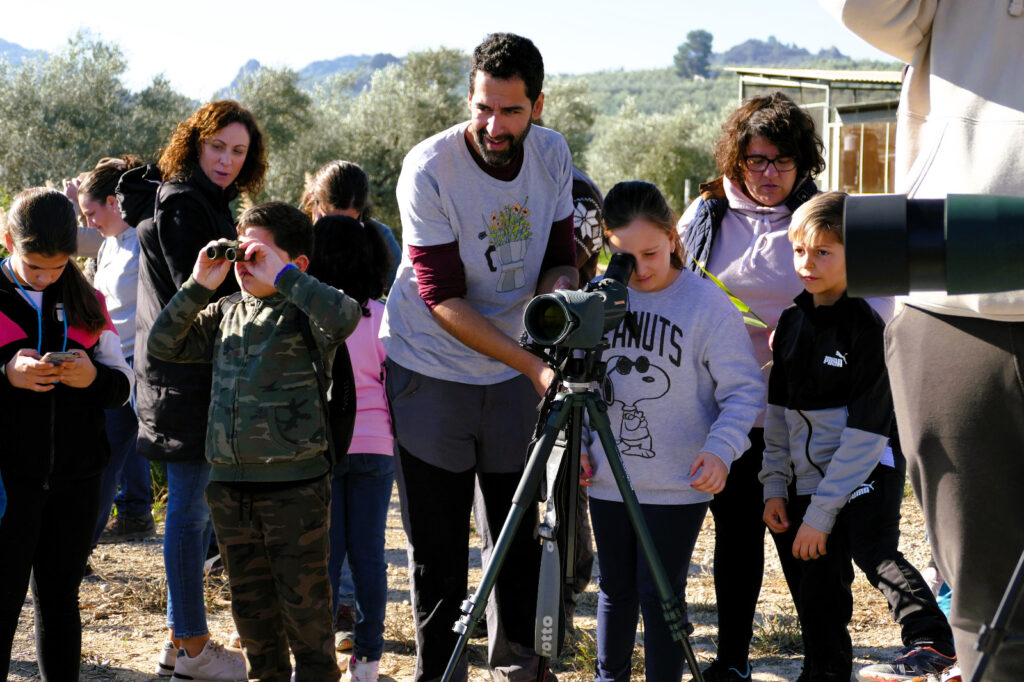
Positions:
{"x": 822, "y": 76}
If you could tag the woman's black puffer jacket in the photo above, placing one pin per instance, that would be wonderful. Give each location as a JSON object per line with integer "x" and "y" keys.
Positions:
{"x": 173, "y": 400}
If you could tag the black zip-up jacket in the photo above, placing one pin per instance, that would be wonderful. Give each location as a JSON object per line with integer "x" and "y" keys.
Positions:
{"x": 59, "y": 434}
{"x": 173, "y": 400}
{"x": 829, "y": 405}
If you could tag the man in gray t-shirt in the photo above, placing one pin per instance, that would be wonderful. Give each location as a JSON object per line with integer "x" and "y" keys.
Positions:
{"x": 487, "y": 223}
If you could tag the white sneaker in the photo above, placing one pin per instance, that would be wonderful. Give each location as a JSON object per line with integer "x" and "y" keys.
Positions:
{"x": 168, "y": 656}
{"x": 951, "y": 674}
{"x": 361, "y": 671}
{"x": 215, "y": 663}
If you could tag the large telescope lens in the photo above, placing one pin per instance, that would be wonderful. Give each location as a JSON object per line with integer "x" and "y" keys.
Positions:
{"x": 572, "y": 318}
{"x": 579, "y": 319}
{"x": 964, "y": 244}
{"x": 548, "y": 321}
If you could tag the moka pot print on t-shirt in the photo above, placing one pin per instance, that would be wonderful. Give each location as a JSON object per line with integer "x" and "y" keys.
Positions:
{"x": 509, "y": 235}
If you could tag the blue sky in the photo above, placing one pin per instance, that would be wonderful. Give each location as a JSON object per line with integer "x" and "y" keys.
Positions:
{"x": 200, "y": 46}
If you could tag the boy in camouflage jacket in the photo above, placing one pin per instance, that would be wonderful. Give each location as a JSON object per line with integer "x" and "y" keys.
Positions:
{"x": 266, "y": 440}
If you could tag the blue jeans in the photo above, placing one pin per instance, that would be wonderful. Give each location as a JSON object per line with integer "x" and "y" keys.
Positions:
{"x": 186, "y": 538}
{"x": 626, "y": 586}
{"x": 345, "y": 593}
{"x": 360, "y": 494}
{"x": 127, "y": 473}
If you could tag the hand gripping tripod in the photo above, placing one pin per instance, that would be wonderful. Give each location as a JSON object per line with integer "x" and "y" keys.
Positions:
{"x": 563, "y": 411}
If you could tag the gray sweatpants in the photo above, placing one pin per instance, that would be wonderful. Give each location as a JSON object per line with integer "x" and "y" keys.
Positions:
{"x": 463, "y": 447}
{"x": 959, "y": 395}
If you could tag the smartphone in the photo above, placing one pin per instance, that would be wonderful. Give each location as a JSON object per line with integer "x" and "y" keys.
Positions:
{"x": 55, "y": 358}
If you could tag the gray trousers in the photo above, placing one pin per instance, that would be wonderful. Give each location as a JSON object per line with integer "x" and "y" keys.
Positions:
{"x": 959, "y": 395}
{"x": 463, "y": 447}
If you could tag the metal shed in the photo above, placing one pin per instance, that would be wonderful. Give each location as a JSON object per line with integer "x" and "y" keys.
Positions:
{"x": 855, "y": 112}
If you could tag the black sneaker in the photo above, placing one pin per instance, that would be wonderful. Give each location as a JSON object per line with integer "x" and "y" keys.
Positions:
{"x": 914, "y": 664}
{"x": 120, "y": 528}
{"x": 721, "y": 672}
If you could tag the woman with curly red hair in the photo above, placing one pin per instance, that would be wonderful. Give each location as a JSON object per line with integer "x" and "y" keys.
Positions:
{"x": 213, "y": 156}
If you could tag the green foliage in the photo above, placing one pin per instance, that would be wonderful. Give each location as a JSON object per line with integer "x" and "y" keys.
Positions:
{"x": 777, "y": 634}
{"x": 570, "y": 109}
{"x": 694, "y": 56}
{"x": 285, "y": 113}
{"x": 403, "y": 105}
{"x": 59, "y": 115}
{"x": 665, "y": 149}
{"x": 153, "y": 115}
{"x": 659, "y": 91}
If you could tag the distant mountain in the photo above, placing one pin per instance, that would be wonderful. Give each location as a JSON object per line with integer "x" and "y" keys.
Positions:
{"x": 16, "y": 54}
{"x": 310, "y": 75}
{"x": 771, "y": 52}
{"x": 251, "y": 66}
{"x": 319, "y": 70}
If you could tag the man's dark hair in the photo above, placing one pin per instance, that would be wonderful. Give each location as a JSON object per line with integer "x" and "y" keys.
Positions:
{"x": 290, "y": 227}
{"x": 506, "y": 56}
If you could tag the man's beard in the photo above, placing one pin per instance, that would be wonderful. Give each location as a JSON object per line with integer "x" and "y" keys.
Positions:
{"x": 504, "y": 156}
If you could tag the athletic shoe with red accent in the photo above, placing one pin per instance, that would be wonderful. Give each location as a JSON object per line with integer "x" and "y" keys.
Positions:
{"x": 914, "y": 664}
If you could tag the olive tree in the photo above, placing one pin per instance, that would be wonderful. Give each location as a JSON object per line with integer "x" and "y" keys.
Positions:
{"x": 666, "y": 149}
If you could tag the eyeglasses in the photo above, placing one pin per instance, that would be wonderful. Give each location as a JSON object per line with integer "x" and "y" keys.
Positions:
{"x": 759, "y": 164}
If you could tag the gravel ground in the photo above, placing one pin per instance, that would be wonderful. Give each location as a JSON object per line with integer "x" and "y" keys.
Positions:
{"x": 122, "y": 608}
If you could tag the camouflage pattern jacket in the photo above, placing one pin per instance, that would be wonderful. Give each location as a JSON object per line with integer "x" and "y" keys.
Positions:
{"x": 266, "y": 421}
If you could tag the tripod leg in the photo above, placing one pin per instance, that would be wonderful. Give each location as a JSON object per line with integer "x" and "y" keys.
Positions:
{"x": 524, "y": 498}
{"x": 598, "y": 412}
{"x": 991, "y": 635}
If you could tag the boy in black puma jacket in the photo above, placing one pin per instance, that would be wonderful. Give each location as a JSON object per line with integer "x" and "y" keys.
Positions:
{"x": 828, "y": 420}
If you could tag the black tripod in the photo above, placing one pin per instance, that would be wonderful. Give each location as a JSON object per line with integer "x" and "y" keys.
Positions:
{"x": 579, "y": 375}
{"x": 992, "y": 635}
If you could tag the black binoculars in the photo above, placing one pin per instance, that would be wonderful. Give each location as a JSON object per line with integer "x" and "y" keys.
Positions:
{"x": 230, "y": 251}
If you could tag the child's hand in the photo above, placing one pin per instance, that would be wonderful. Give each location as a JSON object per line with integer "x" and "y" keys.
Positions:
{"x": 810, "y": 543}
{"x": 77, "y": 373}
{"x": 708, "y": 473}
{"x": 210, "y": 273}
{"x": 775, "y": 514}
{"x": 586, "y": 470}
{"x": 27, "y": 370}
{"x": 261, "y": 261}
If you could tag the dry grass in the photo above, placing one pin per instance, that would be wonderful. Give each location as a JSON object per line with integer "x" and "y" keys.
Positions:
{"x": 123, "y": 615}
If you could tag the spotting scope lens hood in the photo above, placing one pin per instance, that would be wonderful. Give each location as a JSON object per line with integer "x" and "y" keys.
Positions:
{"x": 963, "y": 244}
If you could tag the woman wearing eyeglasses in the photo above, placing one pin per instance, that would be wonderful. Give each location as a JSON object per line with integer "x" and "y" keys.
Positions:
{"x": 768, "y": 154}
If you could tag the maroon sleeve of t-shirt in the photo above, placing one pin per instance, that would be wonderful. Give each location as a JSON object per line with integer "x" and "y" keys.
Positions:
{"x": 439, "y": 272}
{"x": 561, "y": 245}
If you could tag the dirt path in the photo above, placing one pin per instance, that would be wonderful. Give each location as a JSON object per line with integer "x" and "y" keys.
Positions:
{"x": 123, "y": 615}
